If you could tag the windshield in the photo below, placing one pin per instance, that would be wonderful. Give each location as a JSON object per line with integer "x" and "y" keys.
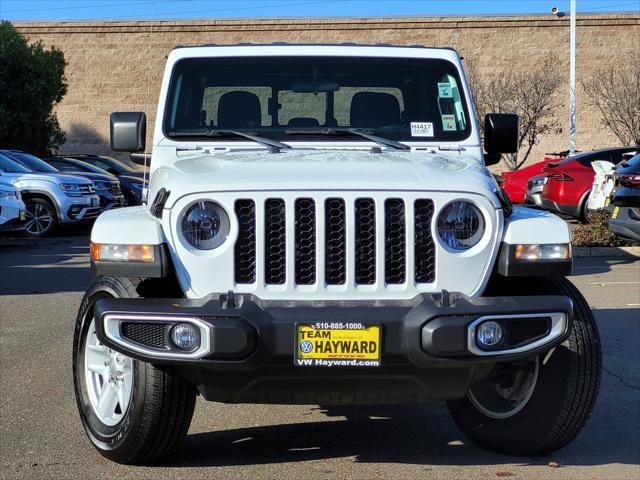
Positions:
{"x": 8, "y": 165}
{"x": 34, "y": 163}
{"x": 278, "y": 97}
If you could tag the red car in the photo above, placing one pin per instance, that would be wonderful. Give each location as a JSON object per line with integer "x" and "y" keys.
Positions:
{"x": 515, "y": 183}
{"x": 569, "y": 181}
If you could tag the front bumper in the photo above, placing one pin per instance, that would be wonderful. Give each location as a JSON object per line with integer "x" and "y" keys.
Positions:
{"x": 626, "y": 223}
{"x": 570, "y": 210}
{"x": 426, "y": 344}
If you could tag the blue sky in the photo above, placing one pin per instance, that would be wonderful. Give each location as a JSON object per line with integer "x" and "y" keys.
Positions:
{"x": 16, "y": 10}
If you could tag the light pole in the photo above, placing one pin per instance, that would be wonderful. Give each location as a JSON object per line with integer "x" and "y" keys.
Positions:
{"x": 572, "y": 80}
{"x": 572, "y": 74}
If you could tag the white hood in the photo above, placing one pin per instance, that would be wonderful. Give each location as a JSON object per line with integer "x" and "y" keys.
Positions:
{"x": 304, "y": 170}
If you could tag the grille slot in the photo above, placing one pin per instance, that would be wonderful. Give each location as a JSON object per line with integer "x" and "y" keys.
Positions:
{"x": 305, "y": 241}
{"x": 245, "y": 248}
{"x": 153, "y": 335}
{"x": 365, "y": 226}
{"x": 335, "y": 242}
{"x": 395, "y": 241}
{"x": 425, "y": 249}
{"x": 275, "y": 242}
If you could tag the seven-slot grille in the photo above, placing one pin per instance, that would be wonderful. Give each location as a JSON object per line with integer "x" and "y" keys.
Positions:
{"x": 319, "y": 233}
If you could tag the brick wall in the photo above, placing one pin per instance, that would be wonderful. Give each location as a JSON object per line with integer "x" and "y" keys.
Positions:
{"x": 119, "y": 65}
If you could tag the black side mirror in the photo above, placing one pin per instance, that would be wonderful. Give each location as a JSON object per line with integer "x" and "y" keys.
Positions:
{"x": 500, "y": 133}
{"x": 128, "y": 131}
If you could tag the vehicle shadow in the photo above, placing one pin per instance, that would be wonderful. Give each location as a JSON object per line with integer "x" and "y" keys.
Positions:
{"x": 404, "y": 434}
{"x": 45, "y": 265}
{"x": 594, "y": 265}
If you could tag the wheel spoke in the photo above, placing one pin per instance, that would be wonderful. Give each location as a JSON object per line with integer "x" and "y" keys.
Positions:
{"x": 96, "y": 357}
{"x": 107, "y": 402}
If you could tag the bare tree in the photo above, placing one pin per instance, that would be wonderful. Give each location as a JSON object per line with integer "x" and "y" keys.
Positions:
{"x": 615, "y": 92}
{"x": 530, "y": 93}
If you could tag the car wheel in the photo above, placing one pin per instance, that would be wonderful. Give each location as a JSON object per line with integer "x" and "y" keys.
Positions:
{"x": 41, "y": 218}
{"x": 540, "y": 404}
{"x": 132, "y": 411}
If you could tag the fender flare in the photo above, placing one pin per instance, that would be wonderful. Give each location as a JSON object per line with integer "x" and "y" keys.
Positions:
{"x": 44, "y": 193}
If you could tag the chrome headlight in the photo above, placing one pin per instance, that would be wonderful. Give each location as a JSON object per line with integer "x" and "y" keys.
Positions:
{"x": 71, "y": 189}
{"x": 460, "y": 225}
{"x": 205, "y": 225}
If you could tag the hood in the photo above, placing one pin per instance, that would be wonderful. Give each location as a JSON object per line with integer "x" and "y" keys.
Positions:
{"x": 44, "y": 177}
{"x": 130, "y": 179}
{"x": 323, "y": 170}
{"x": 95, "y": 177}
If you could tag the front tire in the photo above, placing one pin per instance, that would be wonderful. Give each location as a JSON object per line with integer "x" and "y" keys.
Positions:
{"x": 132, "y": 411}
{"x": 548, "y": 399}
{"x": 41, "y": 217}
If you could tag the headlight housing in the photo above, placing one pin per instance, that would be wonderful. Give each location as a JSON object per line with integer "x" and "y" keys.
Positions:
{"x": 71, "y": 189}
{"x": 9, "y": 195}
{"x": 138, "y": 186}
{"x": 205, "y": 225}
{"x": 460, "y": 225}
{"x": 101, "y": 185}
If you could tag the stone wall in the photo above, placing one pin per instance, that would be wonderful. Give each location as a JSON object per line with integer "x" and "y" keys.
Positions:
{"x": 119, "y": 65}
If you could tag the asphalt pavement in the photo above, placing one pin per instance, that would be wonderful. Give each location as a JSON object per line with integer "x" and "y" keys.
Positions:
{"x": 42, "y": 283}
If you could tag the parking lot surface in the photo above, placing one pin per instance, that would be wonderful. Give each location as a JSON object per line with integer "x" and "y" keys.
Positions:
{"x": 42, "y": 283}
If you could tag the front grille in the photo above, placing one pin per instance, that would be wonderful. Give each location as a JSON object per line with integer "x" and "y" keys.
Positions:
{"x": 275, "y": 242}
{"x": 334, "y": 241}
{"x": 335, "y": 244}
{"x": 153, "y": 335}
{"x": 245, "y": 250}
{"x": 87, "y": 189}
{"x": 395, "y": 241}
{"x": 115, "y": 189}
{"x": 305, "y": 239}
{"x": 425, "y": 247}
{"x": 365, "y": 230}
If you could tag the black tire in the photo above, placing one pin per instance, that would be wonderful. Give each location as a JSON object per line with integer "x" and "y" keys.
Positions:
{"x": 159, "y": 413}
{"x": 41, "y": 217}
{"x": 563, "y": 396}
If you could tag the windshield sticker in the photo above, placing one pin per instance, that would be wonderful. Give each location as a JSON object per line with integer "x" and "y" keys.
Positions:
{"x": 421, "y": 129}
{"x": 444, "y": 90}
{"x": 448, "y": 123}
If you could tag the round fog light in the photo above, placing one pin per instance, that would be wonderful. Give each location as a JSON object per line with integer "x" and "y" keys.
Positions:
{"x": 185, "y": 336}
{"x": 489, "y": 334}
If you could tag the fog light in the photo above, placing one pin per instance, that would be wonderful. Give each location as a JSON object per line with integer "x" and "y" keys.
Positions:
{"x": 185, "y": 336}
{"x": 489, "y": 334}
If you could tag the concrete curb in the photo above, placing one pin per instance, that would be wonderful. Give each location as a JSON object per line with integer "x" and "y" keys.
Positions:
{"x": 606, "y": 252}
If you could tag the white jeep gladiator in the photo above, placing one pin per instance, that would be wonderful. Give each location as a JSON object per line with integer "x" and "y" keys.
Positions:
{"x": 321, "y": 228}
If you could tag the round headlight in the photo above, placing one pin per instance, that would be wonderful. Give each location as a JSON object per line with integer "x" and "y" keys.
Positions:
{"x": 460, "y": 225}
{"x": 205, "y": 225}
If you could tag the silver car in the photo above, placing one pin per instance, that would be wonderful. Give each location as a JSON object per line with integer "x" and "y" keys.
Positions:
{"x": 533, "y": 195}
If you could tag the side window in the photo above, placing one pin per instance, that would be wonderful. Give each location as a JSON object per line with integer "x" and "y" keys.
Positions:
{"x": 212, "y": 95}
{"x": 589, "y": 159}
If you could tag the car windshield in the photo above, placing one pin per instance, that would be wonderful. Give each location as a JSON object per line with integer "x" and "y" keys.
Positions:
{"x": 33, "y": 163}
{"x": 290, "y": 98}
{"x": 8, "y": 165}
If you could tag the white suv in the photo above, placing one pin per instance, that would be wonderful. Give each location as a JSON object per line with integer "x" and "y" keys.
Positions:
{"x": 323, "y": 230}
{"x": 11, "y": 206}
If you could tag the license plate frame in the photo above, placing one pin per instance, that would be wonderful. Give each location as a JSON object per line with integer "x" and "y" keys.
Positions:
{"x": 337, "y": 344}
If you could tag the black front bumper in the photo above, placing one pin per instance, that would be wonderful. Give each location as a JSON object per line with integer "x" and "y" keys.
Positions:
{"x": 424, "y": 352}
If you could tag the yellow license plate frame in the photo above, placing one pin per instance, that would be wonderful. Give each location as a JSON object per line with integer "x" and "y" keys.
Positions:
{"x": 337, "y": 344}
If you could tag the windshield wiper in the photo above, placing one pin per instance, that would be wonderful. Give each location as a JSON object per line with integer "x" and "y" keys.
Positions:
{"x": 267, "y": 142}
{"x": 368, "y": 134}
